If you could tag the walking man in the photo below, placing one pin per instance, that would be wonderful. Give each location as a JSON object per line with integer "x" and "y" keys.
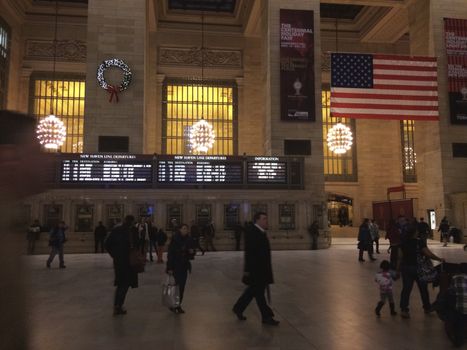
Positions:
{"x": 257, "y": 273}
{"x": 56, "y": 242}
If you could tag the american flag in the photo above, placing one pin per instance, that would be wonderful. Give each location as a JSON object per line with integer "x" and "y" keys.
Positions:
{"x": 384, "y": 87}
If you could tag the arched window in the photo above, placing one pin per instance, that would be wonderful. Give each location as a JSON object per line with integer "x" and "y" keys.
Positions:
{"x": 185, "y": 102}
{"x": 337, "y": 167}
{"x": 4, "y": 60}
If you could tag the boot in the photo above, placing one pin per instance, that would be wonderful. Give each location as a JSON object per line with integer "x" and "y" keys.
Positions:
{"x": 393, "y": 309}
{"x": 378, "y": 308}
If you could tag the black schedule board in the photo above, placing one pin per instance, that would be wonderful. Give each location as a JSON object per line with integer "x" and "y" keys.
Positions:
{"x": 106, "y": 168}
{"x": 199, "y": 170}
{"x": 266, "y": 170}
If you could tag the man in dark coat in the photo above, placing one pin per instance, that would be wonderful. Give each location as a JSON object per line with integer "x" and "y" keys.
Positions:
{"x": 118, "y": 245}
{"x": 257, "y": 270}
{"x": 99, "y": 237}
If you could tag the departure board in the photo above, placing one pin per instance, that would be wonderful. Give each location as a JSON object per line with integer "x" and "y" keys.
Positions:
{"x": 266, "y": 170}
{"x": 106, "y": 168}
{"x": 199, "y": 170}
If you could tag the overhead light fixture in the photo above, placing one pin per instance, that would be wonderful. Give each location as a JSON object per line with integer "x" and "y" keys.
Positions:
{"x": 202, "y": 136}
{"x": 51, "y": 131}
{"x": 339, "y": 138}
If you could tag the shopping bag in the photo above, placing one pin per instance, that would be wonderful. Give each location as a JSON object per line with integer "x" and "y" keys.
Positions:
{"x": 170, "y": 293}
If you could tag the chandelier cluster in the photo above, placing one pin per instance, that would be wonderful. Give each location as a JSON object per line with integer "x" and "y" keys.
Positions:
{"x": 202, "y": 136}
{"x": 339, "y": 138}
{"x": 51, "y": 132}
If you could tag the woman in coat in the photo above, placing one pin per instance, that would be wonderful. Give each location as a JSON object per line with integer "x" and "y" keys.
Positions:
{"x": 179, "y": 254}
{"x": 365, "y": 242}
{"x": 118, "y": 245}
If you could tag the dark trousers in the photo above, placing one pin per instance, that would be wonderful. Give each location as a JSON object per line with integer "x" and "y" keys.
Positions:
{"x": 394, "y": 256}
{"x": 376, "y": 244}
{"x": 180, "y": 279}
{"x": 31, "y": 245}
{"x": 409, "y": 276}
{"x": 314, "y": 242}
{"x": 208, "y": 241}
{"x": 56, "y": 249}
{"x": 256, "y": 292}
{"x": 370, "y": 252}
{"x": 152, "y": 244}
{"x": 98, "y": 241}
{"x": 120, "y": 294}
{"x": 238, "y": 237}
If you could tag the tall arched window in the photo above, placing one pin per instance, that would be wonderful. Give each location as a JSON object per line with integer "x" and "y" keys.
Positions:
{"x": 66, "y": 95}
{"x": 4, "y": 60}
{"x": 409, "y": 158}
{"x": 337, "y": 167}
{"x": 185, "y": 102}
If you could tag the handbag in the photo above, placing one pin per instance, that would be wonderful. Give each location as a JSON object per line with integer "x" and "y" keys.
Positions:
{"x": 136, "y": 257}
{"x": 426, "y": 272}
{"x": 170, "y": 293}
{"x": 137, "y": 260}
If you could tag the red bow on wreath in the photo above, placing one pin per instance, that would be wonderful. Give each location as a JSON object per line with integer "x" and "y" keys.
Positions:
{"x": 113, "y": 92}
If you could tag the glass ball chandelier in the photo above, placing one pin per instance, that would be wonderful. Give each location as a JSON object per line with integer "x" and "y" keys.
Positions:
{"x": 51, "y": 132}
{"x": 202, "y": 136}
{"x": 339, "y": 138}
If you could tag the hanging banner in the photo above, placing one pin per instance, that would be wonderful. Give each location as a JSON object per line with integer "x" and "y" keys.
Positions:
{"x": 456, "y": 52}
{"x": 297, "y": 84}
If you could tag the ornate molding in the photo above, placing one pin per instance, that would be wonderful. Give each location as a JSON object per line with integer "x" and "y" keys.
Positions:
{"x": 176, "y": 56}
{"x": 67, "y": 50}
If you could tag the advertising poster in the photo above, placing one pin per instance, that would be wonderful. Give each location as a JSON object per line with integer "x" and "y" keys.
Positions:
{"x": 297, "y": 87}
{"x": 456, "y": 52}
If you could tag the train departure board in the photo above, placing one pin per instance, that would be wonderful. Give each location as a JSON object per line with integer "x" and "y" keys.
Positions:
{"x": 106, "y": 168}
{"x": 199, "y": 170}
{"x": 266, "y": 170}
{"x": 178, "y": 171}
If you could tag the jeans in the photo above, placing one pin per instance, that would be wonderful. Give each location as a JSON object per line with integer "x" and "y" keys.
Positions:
{"x": 180, "y": 279}
{"x": 152, "y": 244}
{"x": 56, "y": 249}
{"x": 409, "y": 276}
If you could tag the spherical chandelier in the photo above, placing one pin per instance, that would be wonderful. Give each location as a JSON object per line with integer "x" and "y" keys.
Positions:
{"x": 51, "y": 132}
{"x": 202, "y": 136}
{"x": 339, "y": 138}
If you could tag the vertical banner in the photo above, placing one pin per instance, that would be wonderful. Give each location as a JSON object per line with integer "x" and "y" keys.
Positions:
{"x": 456, "y": 52}
{"x": 297, "y": 84}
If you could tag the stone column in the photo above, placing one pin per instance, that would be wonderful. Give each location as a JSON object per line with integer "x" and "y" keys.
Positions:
{"x": 116, "y": 29}
{"x": 276, "y": 131}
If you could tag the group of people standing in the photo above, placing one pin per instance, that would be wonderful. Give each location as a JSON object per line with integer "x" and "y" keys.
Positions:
{"x": 368, "y": 236}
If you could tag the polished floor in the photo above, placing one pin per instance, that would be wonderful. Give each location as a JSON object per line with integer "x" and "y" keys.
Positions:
{"x": 324, "y": 300}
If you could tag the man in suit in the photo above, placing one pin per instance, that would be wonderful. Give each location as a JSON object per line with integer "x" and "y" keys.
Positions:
{"x": 257, "y": 273}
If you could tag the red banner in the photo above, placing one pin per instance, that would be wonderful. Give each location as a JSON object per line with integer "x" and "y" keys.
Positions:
{"x": 297, "y": 65}
{"x": 456, "y": 52}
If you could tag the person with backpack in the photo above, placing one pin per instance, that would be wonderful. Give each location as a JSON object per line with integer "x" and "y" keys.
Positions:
{"x": 56, "y": 242}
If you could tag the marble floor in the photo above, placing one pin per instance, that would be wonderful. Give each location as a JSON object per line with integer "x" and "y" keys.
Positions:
{"x": 324, "y": 300}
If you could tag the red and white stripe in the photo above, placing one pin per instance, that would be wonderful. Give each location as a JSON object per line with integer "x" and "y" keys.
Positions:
{"x": 404, "y": 88}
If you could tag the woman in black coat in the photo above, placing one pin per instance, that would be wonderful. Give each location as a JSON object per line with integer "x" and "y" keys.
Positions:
{"x": 180, "y": 252}
{"x": 365, "y": 242}
{"x": 118, "y": 245}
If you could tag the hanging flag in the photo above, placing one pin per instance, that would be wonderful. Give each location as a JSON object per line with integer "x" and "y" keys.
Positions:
{"x": 384, "y": 87}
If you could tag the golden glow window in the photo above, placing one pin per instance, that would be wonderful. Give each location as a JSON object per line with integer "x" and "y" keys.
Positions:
{"x": 409, "y": 158}
{"x": 185, "y": 102}
{"x": 66, "y": 97}
{"x": 337, "y": 167}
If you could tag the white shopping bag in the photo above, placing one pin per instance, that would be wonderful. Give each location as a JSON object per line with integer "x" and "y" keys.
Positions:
{"x": 170, "y": 293}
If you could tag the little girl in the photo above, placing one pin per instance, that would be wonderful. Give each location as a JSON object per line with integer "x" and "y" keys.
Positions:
{"x": 384, "y": 278}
